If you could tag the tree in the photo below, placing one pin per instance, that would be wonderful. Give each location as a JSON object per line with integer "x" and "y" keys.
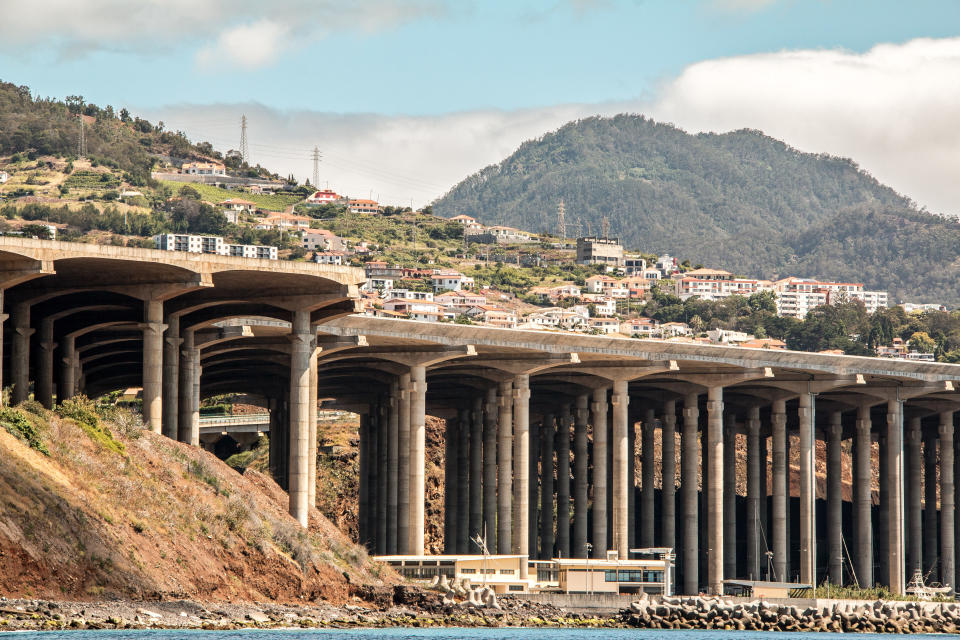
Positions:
{"x": 922, "y": 342}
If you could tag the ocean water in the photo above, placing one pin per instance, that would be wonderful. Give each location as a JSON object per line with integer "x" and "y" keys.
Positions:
{"x": 448, "y": 634}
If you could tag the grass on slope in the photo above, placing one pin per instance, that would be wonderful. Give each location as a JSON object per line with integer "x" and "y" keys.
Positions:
{"x": 159, "y": 519}
{"x": 276, "y": 202}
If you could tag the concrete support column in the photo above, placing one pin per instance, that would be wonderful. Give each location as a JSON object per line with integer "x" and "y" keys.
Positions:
{"x": 730, "y": 495}
{"x": 505, "y": 469}
{"x": 548, "y": 435}
{"x": 598, "y": 418}
{"x": 393, "y": 465}
{"x": 947, "y": 501}
{"x": 581, "y": 488}
{"x": 187, "y": 400}
{"x": 3, "y": 318}
{"x": 490, "y": 467}
{"x": 153, "y": 328}
{"x": 563, "y": 482}
{"x": 714, "y": 452}
{"x": 403, "y": 466}
{"x": 373, "y": 486}
{"x": 68, "y": 371}
{"x": 808, "y": 489}
{"x": 44, "y": 382}
{"x": 863, "y": 503}
{"x": 476, "y": 467}
{"x": 363, "y": 458}
{"x": 463, "y": 482}
{"x": 302, "y": 343}
{"x": 313, "y": 410}
{"x": 929, "y": 525}
{"x": 533, "y": 523}
{"x": 621, "y": 482}
{"x": 689, "y": 469}
{"x": 778, "y": 420}
{"x": 882, "y": 532}
{"x": 835, "y": 498}
{"x": 521, "y": 477}
{"x": 754, "y": 551}
{"x": 668, "y": 495}
{"x": 20, "y": 354}
{"x": 171, "y": 378}
{"x": 913, "y": 481}
{"x": 418, "y": 458}
{"x": 647, "y": 474}
{"x": 895, "y": 495}
{"x": 382, "y": 461}
{"x": 450, "y": 487}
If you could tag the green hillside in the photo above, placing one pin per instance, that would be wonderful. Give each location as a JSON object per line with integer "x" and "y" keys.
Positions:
{"x": 739, "y": 200}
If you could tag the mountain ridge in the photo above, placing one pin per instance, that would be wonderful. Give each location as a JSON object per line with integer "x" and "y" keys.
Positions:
{"x": 741, "y": 200}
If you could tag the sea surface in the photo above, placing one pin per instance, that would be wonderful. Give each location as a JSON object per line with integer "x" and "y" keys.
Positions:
{"x": 449, "y": 634}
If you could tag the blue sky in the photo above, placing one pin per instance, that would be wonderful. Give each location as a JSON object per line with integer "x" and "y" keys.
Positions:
{"x": 372, "y": 82}
{"x": 463, "y": 55}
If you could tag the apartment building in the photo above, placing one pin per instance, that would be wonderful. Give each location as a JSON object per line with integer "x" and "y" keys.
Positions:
{"x": 211, "y": 244}
{"x": 607, "y": 251}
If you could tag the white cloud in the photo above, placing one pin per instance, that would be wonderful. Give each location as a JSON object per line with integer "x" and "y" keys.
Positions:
{"x": 741, "y": 5}
{"x": 243, "y": 32}
{"x": 893, "y": 109}
{"x": 247, "y": 46}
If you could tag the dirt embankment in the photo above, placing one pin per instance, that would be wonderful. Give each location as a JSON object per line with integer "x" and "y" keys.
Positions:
{"x": 128, "y": 513}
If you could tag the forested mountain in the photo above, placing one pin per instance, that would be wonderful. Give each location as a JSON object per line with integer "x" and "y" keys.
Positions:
{"x": 741, "y": 201}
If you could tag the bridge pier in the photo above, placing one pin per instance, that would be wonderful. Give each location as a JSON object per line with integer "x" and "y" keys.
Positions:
{"x": 835, "y": 498}
{"x": 580, "y": 478}
{"x": 171, "y": 374}
{"x": 668, "y": 512}
{"x": 689, "y": 469}
{"x": 522, "y": 480}
{"x": 647, "y": 471}
{"x": 563, "y": 481}
{"x": 947, "y": 501}
{"x": 153, "y": 329}
{"x": 754, "y": 493}
{"x": 505, "y": 468}
{"x": 301, "y": 347}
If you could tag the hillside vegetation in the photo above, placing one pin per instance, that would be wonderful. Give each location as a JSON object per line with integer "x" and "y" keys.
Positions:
{"x": 96, "y": 509}
{"x": 741, "y": 201}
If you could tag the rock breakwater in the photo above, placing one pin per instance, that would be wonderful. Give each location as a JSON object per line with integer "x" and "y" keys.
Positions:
{"x": 758, "y": 615}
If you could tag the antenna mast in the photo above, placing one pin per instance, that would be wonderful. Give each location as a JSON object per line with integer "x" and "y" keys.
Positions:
{"x": 561, "y": 221}
{"x": 82, "y": 140}
{"x": 244, "y": 152}
{"x": 316, "y": 166}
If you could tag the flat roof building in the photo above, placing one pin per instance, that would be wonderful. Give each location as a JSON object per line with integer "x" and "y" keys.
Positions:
{"x": 607, "y": 251}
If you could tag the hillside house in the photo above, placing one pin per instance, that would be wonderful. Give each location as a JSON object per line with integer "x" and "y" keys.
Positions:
{"x": 322, "y": 240}
{"x": 606, "y": 251}
{"x": 407, "y": 294}
{"x": 604, "y": 325}
{"x": 468, "y": 222}
{"x": 203, "y": 169}
{"x": 674, "y": 329}
{"x": 4, "y": 176}
{"x": 423, "y": 310}
{"x": 640, "y": 327}
{"x": 493, "y": 316}
{"x": 238, "y": 205}
{"x": 328, "y": 257}
{"x": 764, "y": 343}
{"x": 325, "y": 196}
{"x": 284, "y": 222}
{"x": 363, "y": 206}
{"x": 450, "y": 281}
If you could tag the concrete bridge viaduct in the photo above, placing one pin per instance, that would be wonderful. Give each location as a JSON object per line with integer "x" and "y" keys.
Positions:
{"x": 542, "y": 429}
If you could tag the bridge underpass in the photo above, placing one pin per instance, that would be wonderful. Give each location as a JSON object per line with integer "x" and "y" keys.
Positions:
{"x": 550, "y": 437}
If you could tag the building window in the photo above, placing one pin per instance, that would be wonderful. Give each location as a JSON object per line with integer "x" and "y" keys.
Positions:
{"x": 468, "y": 571}
{"x": 507, "y": 572}
{"x": 515, "y": 587}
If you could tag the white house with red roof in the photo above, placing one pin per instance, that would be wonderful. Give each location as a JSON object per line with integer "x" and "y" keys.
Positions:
{"x": 324, "y": 196}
